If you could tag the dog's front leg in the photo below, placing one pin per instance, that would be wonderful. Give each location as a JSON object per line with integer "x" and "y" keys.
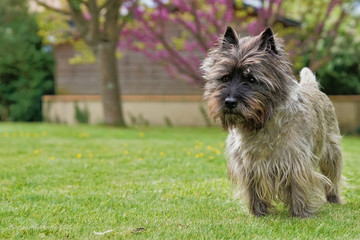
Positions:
{"x": 257, "y": 206}
{"x": 299, "y": 205}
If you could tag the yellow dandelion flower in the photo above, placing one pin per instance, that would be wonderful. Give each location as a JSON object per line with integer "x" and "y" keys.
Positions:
{"x": 52, "y": 158}
{"x": 79, "y": 155}
{"x": 201, "y": 154}
{"x": 197, "y": 155}
{"x": 141, "y": 134}
{"x": 43, "y": 133}
{"x": 126, "y": 152}
{"x": 83, "y": 135}
{"x": 141, "y": 159}
{"x": 6, "y": 134}
{"x": 162, "y": 154}
{"x": 36, "y": 151}
{"x": 188, "y": 153}
{"x": 91, "y": 155}
{"x": 217, "y": 152}
{"x": 211, "y": 157}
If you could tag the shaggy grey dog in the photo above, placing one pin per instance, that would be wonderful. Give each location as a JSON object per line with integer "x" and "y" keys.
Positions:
{"x": 284, "y": 141}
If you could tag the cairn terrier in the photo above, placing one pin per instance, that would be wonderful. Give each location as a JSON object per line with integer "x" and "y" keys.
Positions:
{"x": 284, "y": 141}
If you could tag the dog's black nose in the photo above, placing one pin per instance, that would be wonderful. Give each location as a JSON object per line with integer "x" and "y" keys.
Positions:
{"x": 230, "y": 102}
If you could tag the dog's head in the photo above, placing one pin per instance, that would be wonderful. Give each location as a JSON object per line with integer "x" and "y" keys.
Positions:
{"x": 246, "y": 78}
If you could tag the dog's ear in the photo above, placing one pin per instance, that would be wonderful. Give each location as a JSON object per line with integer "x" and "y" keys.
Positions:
{"x": 230, "y": 38}
{"x": 267, "y": 41}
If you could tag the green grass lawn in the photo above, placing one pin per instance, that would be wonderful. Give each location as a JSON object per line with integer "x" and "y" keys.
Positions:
{"x": 77, "y": 182}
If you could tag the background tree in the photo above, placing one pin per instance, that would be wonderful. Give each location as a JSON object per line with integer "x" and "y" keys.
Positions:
{"x": 341, "y": 75}
{"x": 199, "y": 23}
{"x": 319, "y": 26}
{"x": 99, "y": 24}
{"x": 26, "y": 67}
{"x": 328, "y": 42}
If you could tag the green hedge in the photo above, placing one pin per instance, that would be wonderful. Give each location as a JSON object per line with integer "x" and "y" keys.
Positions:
{"x": 341, "y": 76}
{"x": 26, "y": 67}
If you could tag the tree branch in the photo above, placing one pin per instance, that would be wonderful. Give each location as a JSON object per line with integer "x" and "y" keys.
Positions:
{"x": 111, "y": 19}
{"x": 104, "y": 6}
{"x": 176, "y": 55}
{"x": 94, "y": 20}
{"x": 314, "y": 62}
{"x": 125, "y": 19}
{"x": 49, "y": 7}
{"x": 198, "y": 35}
{"x": 80, "y": 22}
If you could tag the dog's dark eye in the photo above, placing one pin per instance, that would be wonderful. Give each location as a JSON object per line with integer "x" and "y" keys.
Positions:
{"x": 251, "y": 79}
{"x": 225, "y": 78}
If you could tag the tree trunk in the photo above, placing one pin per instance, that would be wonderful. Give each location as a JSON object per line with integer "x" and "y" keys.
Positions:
{"x": 108, "y": 75}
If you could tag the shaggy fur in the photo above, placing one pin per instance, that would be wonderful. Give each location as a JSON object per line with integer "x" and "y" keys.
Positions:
{"x": 284, "y": 141}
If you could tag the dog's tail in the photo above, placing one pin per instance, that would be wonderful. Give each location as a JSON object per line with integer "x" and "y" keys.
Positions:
{"x": 308, "y": 79}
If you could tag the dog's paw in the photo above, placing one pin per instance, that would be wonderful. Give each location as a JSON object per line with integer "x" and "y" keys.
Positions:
{"x": 260, "y": 209}
{"x": 333, "y": 199}
{"x": 300, "y": 212}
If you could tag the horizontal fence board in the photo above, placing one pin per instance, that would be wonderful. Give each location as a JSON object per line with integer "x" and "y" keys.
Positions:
{"x": 135, "y": 98}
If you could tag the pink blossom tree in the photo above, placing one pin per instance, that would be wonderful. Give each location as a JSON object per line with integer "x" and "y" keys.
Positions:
{"x": 199, "y": 22}
{"x": 179, "y": 33}
{"x": 198, "y": 25}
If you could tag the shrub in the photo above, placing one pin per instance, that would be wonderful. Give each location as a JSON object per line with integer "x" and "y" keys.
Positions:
{"x": 81, "y": 115}
{"x": 26, "y": 68}
{"x": 341, "y": 76}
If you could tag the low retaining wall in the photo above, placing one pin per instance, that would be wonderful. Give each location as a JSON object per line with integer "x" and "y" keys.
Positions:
{"x": 347, "y": 110}
{"x": 169, "y": 110}
{"x": 138, "y": 110}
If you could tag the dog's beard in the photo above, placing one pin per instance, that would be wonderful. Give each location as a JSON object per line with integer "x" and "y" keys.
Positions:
{"x": 231, "y": 120}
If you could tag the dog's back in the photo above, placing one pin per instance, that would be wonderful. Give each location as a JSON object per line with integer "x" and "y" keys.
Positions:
{"x": 331, "y": 158}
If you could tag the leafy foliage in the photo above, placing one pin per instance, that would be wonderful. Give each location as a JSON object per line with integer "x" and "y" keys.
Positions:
{"x": 318, "y": 26}
{"x": 177, "y": 34}
{"x": 328, "y": 42}
{"x": 26, "y": 69}
{"x": 341, "y": 75}
{"x": 81, "y": 115}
